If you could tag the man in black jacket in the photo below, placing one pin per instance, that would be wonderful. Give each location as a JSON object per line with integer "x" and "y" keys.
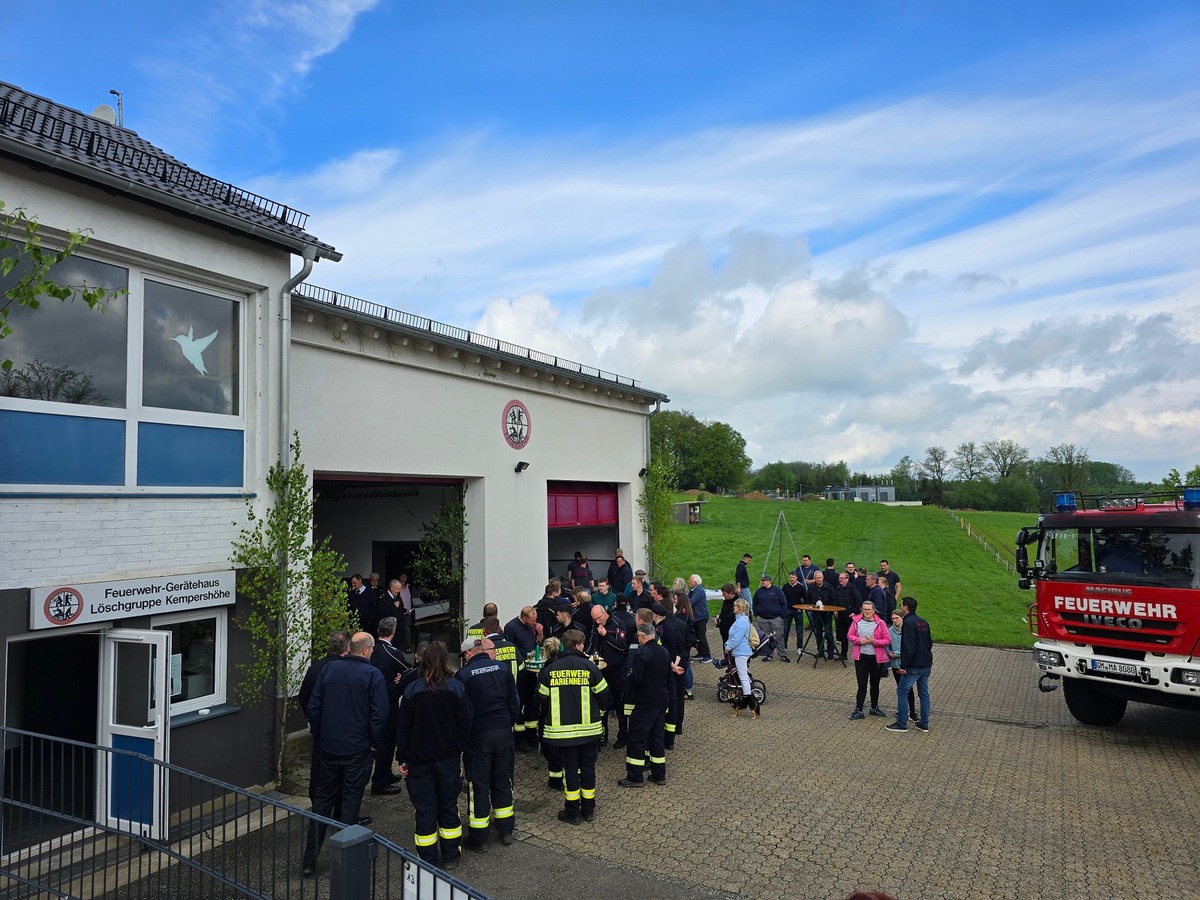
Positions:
{"x": 916, "y": 659}
{"x": 391, "y": 665}
{"x": 610, "y": 642}
{"x": 347, "y": 712}
{"x": 648, "y": 689}
{"x": 339, "y": 646}
{"x": 488, "y": 759}
{"x": 673, "y": 634}
{"x": 822, "y": 592}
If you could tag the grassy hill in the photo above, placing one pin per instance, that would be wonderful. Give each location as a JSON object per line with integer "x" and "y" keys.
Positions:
{"x": 999, "y": 529}
{"x": 967, "y": 596}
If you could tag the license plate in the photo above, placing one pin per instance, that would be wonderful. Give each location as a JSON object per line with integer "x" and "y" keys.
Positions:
{"x": 1114, "y": 668}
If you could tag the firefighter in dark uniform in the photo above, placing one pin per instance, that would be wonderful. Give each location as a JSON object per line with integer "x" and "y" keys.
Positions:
{"x": 435, "y": 719}
{"x": 610, "y": 642}
{"x": 476, "y": 631}
{"x": 673, "y": 634}
{"x": 647, "y": 686}
{"x": 562, "y": 621}
{"x": 525, "y": 634}
{"x": 488, "y": 760}
{"x": 574, "y": 695}
{"x": 502, "y": 649}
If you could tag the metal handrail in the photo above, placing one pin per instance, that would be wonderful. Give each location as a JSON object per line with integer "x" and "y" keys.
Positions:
{"x": 389, "y": 315}
{"x": 219, "y": 834}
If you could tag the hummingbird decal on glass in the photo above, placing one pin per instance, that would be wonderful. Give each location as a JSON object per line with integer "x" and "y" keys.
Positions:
{"x": 193, "y": 349}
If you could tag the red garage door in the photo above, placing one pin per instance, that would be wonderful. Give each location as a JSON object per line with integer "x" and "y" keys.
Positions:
{"x": 573, "y": 503}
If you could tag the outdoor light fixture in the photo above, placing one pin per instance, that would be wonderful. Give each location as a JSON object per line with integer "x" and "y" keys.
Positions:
{"x": 642, "y": 473}
{"x": 521, "y": 467}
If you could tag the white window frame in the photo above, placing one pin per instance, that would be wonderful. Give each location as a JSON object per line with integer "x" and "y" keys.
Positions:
{"x": 219, "y": 693}
{"x": 135, "y": 412}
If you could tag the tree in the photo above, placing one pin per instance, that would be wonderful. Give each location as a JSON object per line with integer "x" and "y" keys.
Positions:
{"x": 1175, "y": 481}
{"x": 673, "y": 438}
{"x": 439, "y": 565}
{"x": 25, "y": 270}
{"x": 720, "y": 459}
{"x": 1068, "y": 467}
{"x": 933, "y": 467}
{"x": 969, "y": 461}
{"x": 657, "y": 513}
{"x": 774, "y": 476}
{"x": 295, "y": 592}
{"x": 1006, "y": 457}
{"x": 1015, "y": 494}
{"x": 904, "y": 477}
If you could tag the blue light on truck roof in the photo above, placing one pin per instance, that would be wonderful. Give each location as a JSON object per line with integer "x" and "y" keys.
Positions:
{"x": 1065, "y": 502}
{"x": 1191, "y": 498}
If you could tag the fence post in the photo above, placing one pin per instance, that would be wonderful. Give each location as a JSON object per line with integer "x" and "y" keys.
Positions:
{"x": 351, "y": 850}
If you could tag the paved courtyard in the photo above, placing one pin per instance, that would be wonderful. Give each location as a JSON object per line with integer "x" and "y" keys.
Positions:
{"x": 1006, "y": 797}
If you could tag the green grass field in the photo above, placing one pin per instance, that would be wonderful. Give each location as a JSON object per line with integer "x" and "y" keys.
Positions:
{"x": 965, "y": 594}
{"x": 998, "y": 528}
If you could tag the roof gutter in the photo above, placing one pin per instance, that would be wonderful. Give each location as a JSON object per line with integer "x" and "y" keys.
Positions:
{"x": 60, "y": 165}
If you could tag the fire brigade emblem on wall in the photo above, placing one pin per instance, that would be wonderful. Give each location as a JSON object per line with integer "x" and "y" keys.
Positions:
{"x": 516, "y": 424}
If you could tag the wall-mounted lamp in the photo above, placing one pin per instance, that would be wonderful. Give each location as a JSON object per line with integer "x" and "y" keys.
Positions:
{"x": 521, "y": 467}
{"x": 642, "y": 474}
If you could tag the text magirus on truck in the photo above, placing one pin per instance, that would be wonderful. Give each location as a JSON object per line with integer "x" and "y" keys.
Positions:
{"x": 1117, "y": 608}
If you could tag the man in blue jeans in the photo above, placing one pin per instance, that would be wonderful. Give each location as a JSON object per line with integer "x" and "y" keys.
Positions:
{"x": 916, "y": 659}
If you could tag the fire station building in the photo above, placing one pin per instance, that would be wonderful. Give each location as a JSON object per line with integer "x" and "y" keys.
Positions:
{"x": 131, "y": 441}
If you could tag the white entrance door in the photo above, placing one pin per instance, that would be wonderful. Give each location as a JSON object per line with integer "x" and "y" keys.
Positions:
{"x": 135, "y": 716}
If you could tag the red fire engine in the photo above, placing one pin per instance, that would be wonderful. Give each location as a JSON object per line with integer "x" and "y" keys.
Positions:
{"x": 1117, "y": 614}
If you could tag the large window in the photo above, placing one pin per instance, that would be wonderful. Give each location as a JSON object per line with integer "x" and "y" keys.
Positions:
{"x": 64, "y": 352}
{"x": 143, "y": 396}
{"x": 198, "y": 658}
{"x": 190, "y": 350}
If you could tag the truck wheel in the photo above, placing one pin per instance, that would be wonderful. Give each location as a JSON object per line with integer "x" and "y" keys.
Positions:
{"x": 1090, "y": 706}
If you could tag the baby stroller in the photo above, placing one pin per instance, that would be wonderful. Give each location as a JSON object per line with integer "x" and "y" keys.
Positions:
{"x": 729, "y": 686}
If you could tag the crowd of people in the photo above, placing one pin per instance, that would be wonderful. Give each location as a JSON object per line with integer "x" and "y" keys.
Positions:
{"x": 596, "y": 662}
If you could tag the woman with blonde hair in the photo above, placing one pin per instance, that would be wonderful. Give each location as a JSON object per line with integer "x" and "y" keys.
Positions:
{"x": 738, "y": 647}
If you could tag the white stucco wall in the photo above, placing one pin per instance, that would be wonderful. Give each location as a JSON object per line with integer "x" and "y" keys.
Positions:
{"x": 115, "y": 535}
{"x": 377, "y": 407}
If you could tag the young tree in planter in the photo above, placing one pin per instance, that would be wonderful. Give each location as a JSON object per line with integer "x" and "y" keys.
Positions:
{"x": 295, "y": 592}
{"x": 438, "y": 566}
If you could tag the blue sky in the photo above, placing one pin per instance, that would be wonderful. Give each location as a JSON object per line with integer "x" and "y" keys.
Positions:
{"x": 851, "y": 230}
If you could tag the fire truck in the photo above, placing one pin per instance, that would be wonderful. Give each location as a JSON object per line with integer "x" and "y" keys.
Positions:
{"x": 1117, "y": 609}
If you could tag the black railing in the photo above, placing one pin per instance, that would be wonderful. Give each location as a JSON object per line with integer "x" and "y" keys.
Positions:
{"x": 387, "y": 314}
{"x": 81, "y": 820}
{"x": 157, "y": 166}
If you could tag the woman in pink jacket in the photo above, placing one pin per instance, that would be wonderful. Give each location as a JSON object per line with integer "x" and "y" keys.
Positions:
{"x": 870, "y": 639}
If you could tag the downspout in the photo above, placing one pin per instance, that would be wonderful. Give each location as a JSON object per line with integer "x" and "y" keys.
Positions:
{"x": 285, "y": 374}
{"x": 649, "y": 539}
{"x": 285, "y": 352}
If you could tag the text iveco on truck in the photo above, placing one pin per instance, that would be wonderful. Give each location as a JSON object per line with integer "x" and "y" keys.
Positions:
{"x": 1117, "y": 611}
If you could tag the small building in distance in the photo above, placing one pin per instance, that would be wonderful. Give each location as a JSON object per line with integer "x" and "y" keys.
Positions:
{"x": 863, "y": 493}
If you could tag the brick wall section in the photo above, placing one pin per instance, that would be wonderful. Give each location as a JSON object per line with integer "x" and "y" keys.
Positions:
{"x": 82, "y": 540}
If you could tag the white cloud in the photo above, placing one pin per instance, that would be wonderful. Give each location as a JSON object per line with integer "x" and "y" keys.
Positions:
{"x": 935, "y": 222}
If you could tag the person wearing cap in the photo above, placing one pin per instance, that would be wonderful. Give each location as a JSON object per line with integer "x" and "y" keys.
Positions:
{"x": 574, "y": 695}
{"x": 489, "y": 755}
{"x": 770, "y": 605}
{"x": 673, "y": 634}
{"x": 741, "y": 577}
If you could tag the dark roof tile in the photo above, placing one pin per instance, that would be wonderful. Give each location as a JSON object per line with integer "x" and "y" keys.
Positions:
{"x": 32, "y": 127}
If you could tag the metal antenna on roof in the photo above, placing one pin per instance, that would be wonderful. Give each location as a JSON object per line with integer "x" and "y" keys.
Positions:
{"x": 120, "y": 108}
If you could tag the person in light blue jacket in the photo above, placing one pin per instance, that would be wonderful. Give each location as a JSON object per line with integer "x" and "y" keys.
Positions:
{"x": 738, "y": 646}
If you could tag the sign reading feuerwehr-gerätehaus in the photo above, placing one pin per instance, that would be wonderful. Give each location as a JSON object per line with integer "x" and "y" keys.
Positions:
{"x": 56, "y": 605}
